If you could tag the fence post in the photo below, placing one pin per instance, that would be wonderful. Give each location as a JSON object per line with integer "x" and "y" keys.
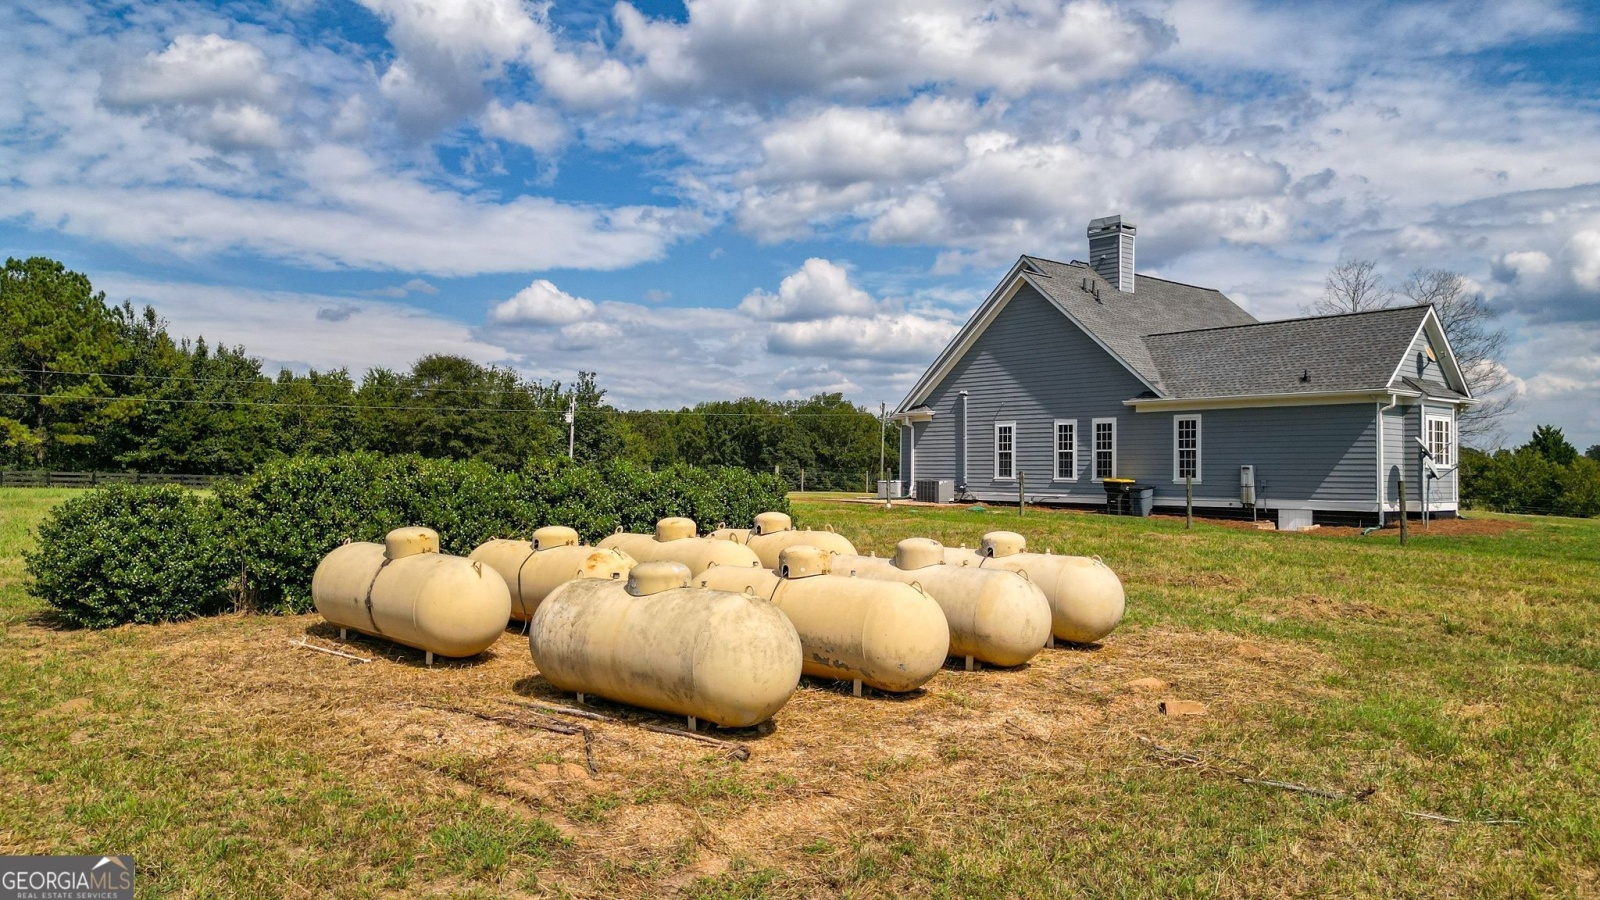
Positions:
{"x": 1188, "y": 501}
{"x": 802, "y": 479}
{"x": 1402, "y": 512}
{"x": 1022, "y": 480}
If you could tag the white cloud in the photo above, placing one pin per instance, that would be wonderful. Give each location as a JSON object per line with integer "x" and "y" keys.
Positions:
{"x": 821, "y": 288}
{"x": 882, "y": 337}
{"x": 542, "y": 303}
{"x": 527, "y": 124}
{"x": 841, "y": 146}
{"x": 761, "y": 48}
{"x": 300, "y": 330}
{"x": 1584, "y": 250}
{"x": 194, "y": 69}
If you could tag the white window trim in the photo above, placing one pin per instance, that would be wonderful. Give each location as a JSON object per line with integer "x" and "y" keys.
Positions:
{"x": 1094, "y": 449}
{"x": 1427, "y": 434}
{"x": 1055, "y": 449}
{"x": 1199, "y": 443}
{"x": 1013, "y": 427}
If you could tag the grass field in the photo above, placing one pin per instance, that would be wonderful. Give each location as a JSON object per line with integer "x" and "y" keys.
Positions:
{"x": 1456, "y": 677}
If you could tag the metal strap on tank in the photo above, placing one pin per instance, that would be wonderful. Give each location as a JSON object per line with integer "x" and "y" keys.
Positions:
{"x": 524, "y": 565}
{"x": 370, "y": 585}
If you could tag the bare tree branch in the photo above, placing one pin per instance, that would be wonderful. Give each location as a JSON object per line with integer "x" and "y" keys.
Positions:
{"x": 1479, "y": 346}
{"x": 1353, "y": 286}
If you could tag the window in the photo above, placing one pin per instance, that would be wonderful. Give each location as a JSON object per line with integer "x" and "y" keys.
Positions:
{"x": 1186, "y": 448}
{"x": 1005, "y": 451}
{"x": 1105, "y": 449}
{"x": 1441, "y": 440}
{"x": 1066, "y": 450}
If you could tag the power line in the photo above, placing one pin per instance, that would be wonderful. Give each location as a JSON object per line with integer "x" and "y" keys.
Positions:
{"x": 205, "y": 401}
{"x": 266, "y": 381}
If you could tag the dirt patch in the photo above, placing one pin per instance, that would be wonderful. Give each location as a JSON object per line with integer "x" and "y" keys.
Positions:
{"x": 1449, "y": 527}
{"x": 675, "y": 809}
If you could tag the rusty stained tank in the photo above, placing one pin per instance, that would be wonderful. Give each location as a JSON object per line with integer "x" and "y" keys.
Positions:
{"x": 775, "y": 531}
{"x": 532, "y": 569}
{"x": 675, "y": 541}
{"x": 654, "y": 641}
{"x": 886, "y": 635}
{"x": 995, "y": 616}
{"x": 1086, "y": 598}
{"x": 407, "y": 591}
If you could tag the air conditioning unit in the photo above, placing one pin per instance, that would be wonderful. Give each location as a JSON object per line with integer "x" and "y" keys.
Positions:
{"x": 1247, "y": 485}
{"x": 930, "y": 491}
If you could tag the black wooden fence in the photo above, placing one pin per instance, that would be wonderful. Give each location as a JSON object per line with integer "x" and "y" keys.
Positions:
{"x": 95, "y": 479}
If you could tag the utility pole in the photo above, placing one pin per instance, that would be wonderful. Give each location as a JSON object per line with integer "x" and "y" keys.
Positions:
{"x": 572, "y": 427}
{"x": 883, "y": 435}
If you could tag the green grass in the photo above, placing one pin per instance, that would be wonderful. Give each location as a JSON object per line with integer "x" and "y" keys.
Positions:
{"x": 1455, "y": 676}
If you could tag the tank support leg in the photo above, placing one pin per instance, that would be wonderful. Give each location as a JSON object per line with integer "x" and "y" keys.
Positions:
{"x": 857, "y": 687}
{"x": 429, "y": 657}
{"x": 1051, "y": 643}
{"x": 693, "y": 723}
{"x": 580, "y": 697}
{"x": 969, "y": 664}
{"x": 343, "y": 633}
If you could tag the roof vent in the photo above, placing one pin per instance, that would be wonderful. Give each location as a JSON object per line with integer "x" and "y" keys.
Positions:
{"x": 1111, "y": 251}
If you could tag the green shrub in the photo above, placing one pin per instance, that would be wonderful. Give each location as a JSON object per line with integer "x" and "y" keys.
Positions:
{"x": 276, "y": 525}
{"x": 132, "y": 554}
{"x": 287, "y": 515}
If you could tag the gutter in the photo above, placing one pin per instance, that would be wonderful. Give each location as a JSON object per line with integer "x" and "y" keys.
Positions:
{"x": 1383, "y": 481}
{"x": 1287, "y": 399}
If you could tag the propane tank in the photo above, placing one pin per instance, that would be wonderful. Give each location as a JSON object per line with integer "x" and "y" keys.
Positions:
{"x": 532, "y": 569}
{"x": 407, "y": 591}
{"x": 675, "y": 541}
{"x": 775, "y": 531}
{"x": 1086, "y": 597}
{"x": 728, "y": 658}
{"x": 995, "y": 616}
{"x": 889, "y": 636}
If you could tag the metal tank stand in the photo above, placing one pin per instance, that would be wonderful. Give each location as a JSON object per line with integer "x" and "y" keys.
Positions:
{"x": 429, "y": 657}
{"x": 693, "y": 722}
{"x": 856, "y": 686}
{"x": 970, "y": 666}
{"x": 343, "y": 634}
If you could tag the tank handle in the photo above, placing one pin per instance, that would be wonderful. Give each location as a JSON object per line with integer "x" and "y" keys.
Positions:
{"x": 1024, "y": 574}
{"x": 1098, "y": 560}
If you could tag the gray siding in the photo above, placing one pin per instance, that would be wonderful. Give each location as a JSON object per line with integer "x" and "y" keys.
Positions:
{"x": 1032, "y": 366}
{"x": 1418, "y": 365}
{"x": 1401, "y": 428}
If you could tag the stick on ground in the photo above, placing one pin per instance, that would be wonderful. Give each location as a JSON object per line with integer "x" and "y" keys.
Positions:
{"x": 736, "y": 750}
{"x": 350, "y": 656}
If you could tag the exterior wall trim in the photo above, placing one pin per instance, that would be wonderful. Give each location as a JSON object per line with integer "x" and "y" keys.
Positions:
{"x": 1317, "y": 398}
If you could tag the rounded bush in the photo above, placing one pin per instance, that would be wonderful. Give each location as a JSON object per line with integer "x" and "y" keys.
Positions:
{"x": 132, "y": 553}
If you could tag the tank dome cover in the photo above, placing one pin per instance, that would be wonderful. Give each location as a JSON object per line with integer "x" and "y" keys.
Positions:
{"x": 675, "y": 528}
{"x": 803, "y": 560}
{"x": 918, "y": 553}
{"x": 1003, "y": 543}
{"x": 554, "y": 536}
{"x": 655, "y": 577}
{"x": 772, "y": 522}
{"x": 403, "y": 542}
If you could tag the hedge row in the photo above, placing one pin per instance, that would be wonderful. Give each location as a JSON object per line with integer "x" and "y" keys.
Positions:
{"x": 147, "y": 554}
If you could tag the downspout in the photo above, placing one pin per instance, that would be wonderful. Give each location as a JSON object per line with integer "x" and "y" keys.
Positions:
{"x": 1383, "y": 478}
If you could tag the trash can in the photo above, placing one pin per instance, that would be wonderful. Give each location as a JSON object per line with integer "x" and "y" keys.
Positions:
{"x": 1125, "y": 497}
{"x": 888, "y": 490}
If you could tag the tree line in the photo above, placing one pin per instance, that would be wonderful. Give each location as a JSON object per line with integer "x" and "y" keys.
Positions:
{"x": 1546, "y": 475}
{"x": 88, "y": 386}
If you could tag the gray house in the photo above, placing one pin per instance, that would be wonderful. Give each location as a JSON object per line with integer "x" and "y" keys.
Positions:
{"x": 1071, "y": 373}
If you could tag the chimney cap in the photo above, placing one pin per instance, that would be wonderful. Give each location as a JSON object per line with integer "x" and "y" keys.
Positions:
{"x": 1111, "y": 223}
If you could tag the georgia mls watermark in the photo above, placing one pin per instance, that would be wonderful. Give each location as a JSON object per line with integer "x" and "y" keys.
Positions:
{"x": 66, "y": 878}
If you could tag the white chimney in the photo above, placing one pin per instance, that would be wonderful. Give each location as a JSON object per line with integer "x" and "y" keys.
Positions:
{"x": 1111, "y": 251}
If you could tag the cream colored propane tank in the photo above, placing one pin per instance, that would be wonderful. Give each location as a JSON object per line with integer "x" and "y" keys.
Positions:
{"x": 1086, "y": 597}
{"x": 728, "y": 658}
{"x": 532, "y": 569}
{"x": 675, "y": 541}
{"x": 775, "y": 531}
{"x": 886, "y": 635}
{"x": 407, "y": 591}
{"x": 995, "y": 616}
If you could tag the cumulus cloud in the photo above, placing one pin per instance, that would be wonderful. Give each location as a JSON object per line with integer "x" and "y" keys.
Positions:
{"x": 894, "y": 337}
{"x": 194, "y": 69}
{"x": 746, "y": 48}
{"x": 542, "y": 303}
{"x": 821, "y": 288}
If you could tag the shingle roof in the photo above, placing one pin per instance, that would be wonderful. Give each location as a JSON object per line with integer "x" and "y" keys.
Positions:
{"x": 1122, "y": 320}
{"x": 1350, "y": 352}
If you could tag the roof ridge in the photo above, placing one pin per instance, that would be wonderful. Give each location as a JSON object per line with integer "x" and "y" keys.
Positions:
{"x": 1080, "y": 264}
{"x": 1365, "y": 312}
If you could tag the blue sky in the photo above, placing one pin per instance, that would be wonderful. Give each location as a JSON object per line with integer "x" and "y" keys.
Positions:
{"x": 772, "y": 198}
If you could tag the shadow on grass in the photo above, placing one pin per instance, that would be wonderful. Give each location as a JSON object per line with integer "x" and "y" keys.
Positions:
{"x": 395, "y": 652}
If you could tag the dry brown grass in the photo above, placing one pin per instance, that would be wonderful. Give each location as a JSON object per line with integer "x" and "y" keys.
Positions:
{"x": 826, "y": 770}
